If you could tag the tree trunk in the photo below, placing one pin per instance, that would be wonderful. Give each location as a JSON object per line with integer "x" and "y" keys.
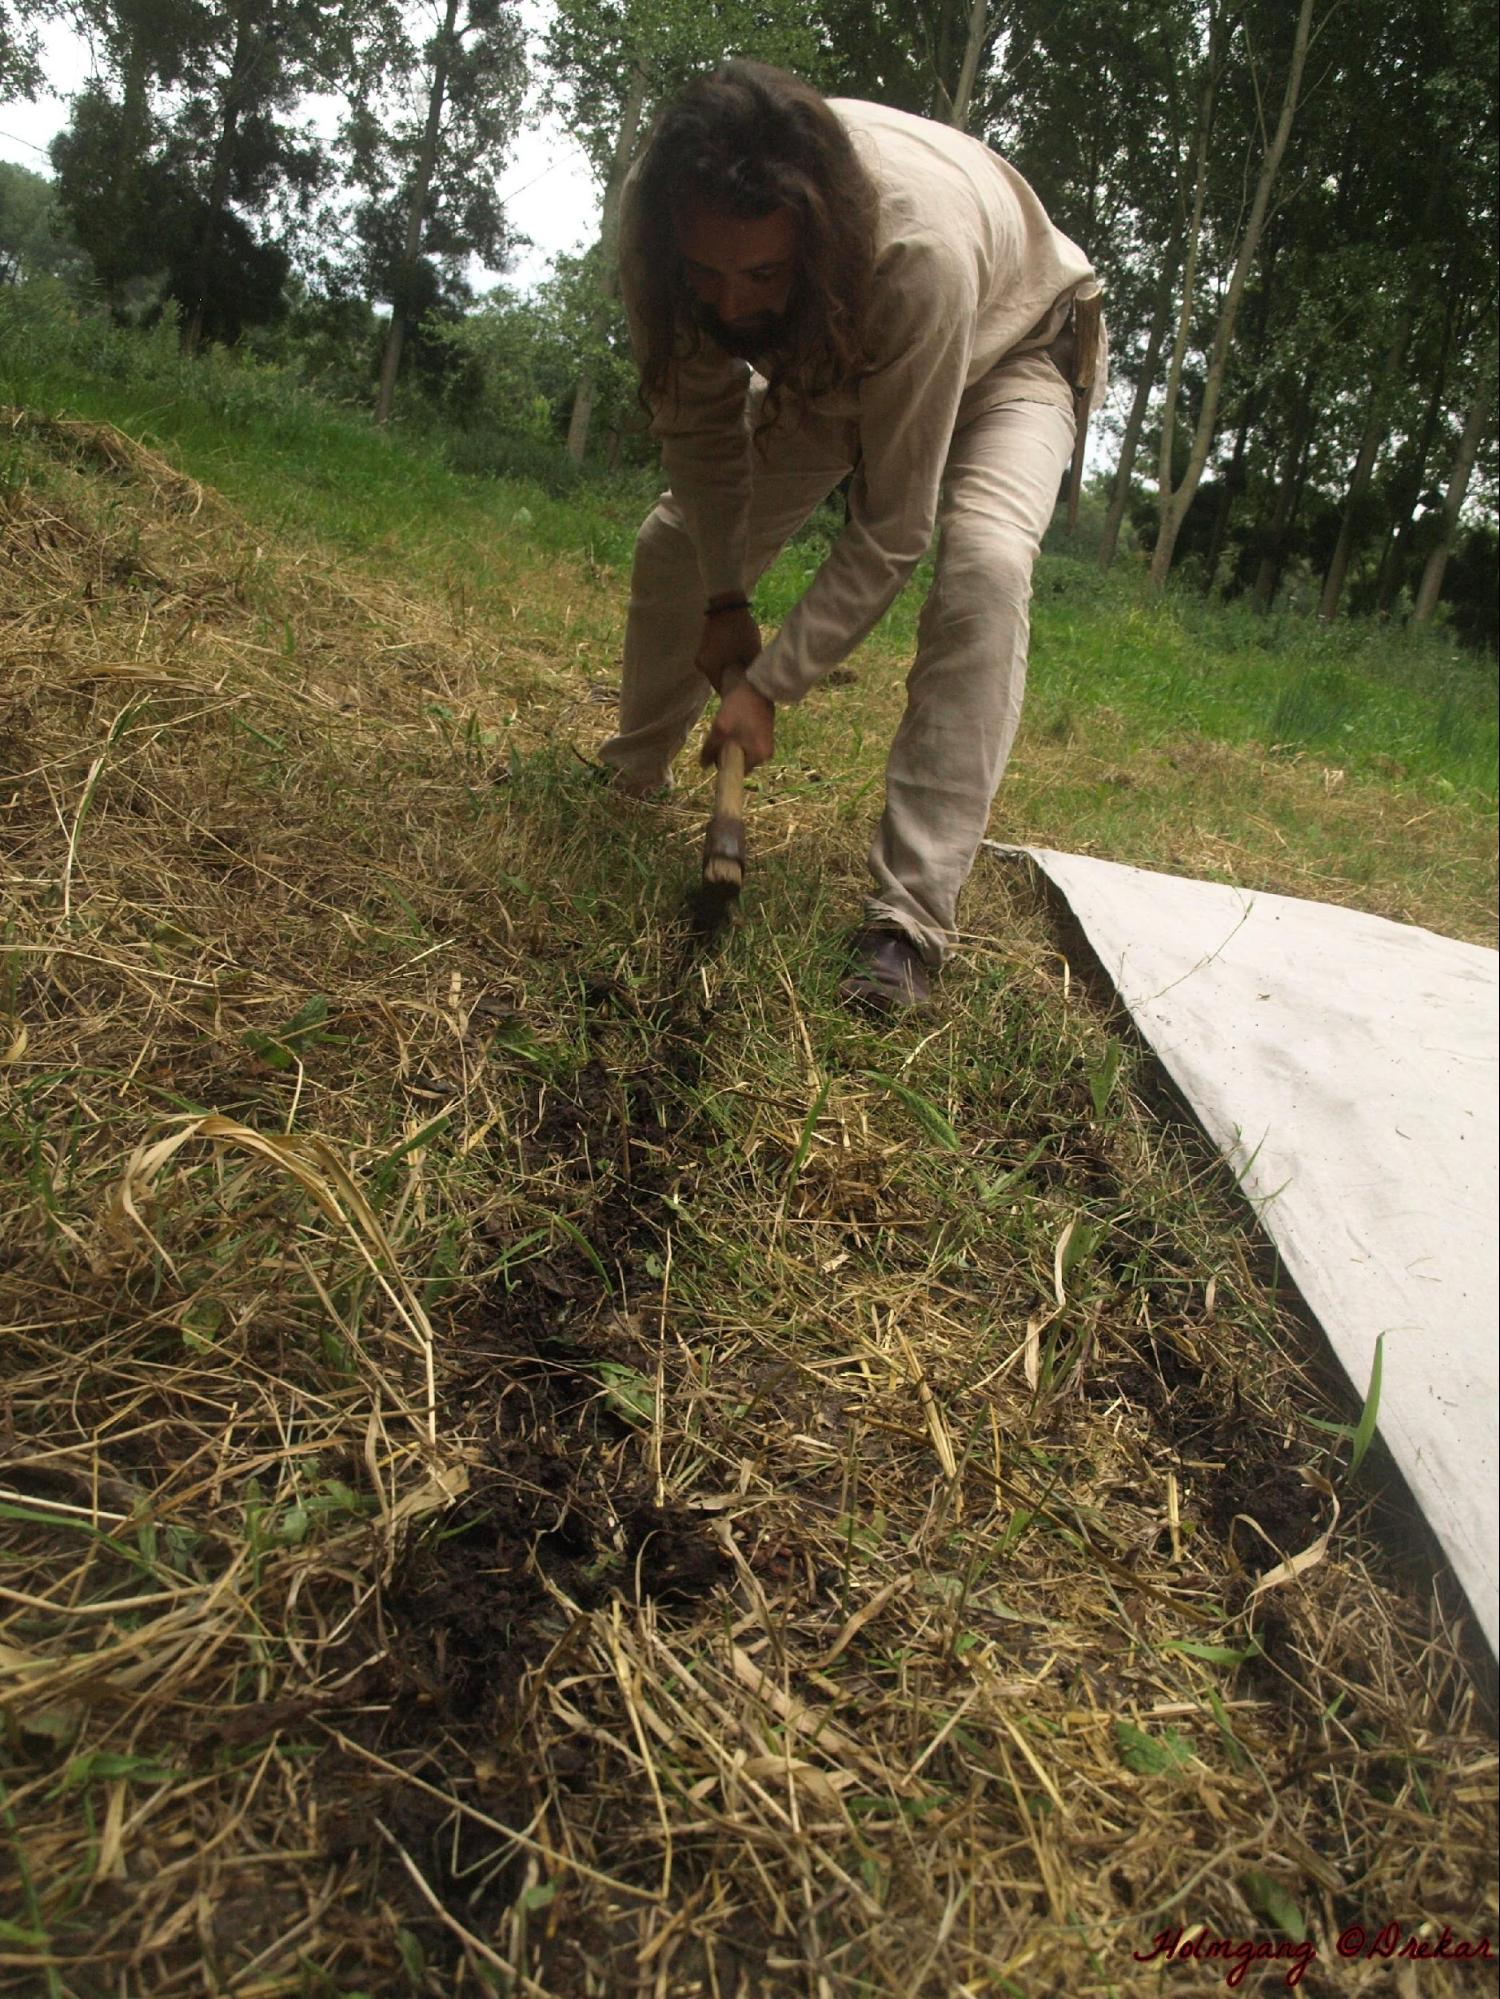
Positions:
{"x": 581, "y": 416}
{"x": 609, "y": 260}
{"x": 1173, "y": 505}
{"x": 135, "y": 122}
{"x": 390, "y": 360}
{"x": 1413, "y": 478}
{"x": 1130, "y": 444}
{"x": 1430, "y": 588}
{"x": 238, "y": 92}
{"x": 1364, "y": 466}
{"x": 1230, "y": 488}
{"x": 1253, "y": 402}
{"x": 969, "y": 69}
{"x": 1191, "y": 248}
{"x": 1289, "y": 491}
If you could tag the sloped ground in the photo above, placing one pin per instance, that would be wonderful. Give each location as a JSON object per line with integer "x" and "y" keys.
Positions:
{"x": 541, "y": 1458}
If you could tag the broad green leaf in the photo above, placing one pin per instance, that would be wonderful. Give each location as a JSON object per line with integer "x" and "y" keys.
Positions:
{"x": 1102, "y": 1079}
{"x": 306, "y": 1019}
{"x": 266, "y": 1049}
{"x": 805, "y": 1137}
{"x": 1084, "y": 1239}
{"x": 1275, "y": 1903}
{"x": 56, "y": 1726}
{"x": 26, "y": 1939}
{"x": 1215, "y": 1655}
{"x": 1149, "y": 1755}
{"x": 99, "y": 1766}
{"x": 627, "y": 1391}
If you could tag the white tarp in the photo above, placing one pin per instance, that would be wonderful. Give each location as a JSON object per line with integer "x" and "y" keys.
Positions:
{"x": 1346, "y": 1066}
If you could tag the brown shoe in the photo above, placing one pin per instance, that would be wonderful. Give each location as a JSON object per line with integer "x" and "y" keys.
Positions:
{"x": 889, "y": 974}
{"x": 626, "y": 784}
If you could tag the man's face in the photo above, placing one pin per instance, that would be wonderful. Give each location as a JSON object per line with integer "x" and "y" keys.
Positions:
{"x": 741, "y": 276}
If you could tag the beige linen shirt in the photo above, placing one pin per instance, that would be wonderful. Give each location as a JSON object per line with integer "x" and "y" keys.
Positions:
{"x": 969, "y": 274}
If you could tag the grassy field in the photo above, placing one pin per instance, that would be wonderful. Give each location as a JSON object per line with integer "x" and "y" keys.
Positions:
{"x": 1352, "y": 764}
{"x": 540, "y": 1458}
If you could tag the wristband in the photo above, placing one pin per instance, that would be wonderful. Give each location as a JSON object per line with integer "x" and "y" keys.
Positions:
{"x": 735, "y": 604}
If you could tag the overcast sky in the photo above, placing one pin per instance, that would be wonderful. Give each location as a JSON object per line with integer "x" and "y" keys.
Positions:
{"x": 548, "y": 190}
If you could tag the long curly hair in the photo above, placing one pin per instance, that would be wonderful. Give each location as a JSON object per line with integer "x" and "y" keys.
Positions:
{"x": 741, "y": 142}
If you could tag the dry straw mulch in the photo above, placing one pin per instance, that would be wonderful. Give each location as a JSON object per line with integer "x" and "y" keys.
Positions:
{"x": 497, "y": 1493}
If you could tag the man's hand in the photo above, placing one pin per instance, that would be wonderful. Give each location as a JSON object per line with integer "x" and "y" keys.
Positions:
{"x": 747, "y": 718}
{"x": 730, "y": 638}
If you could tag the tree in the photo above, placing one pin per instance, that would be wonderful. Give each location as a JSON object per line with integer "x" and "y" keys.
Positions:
{"x": 874, "y": 49}
{"x": 978, "y": 34}
{"x": 34, "y": 237}
{"x": 1399, "y": 227}
{"x": 1095, "y": 109}
{"x": 427, "y": 137}
{"x": 186, "y": 162}
{"x": 606, "y": 268}
{"x": 953, "y": 40}
{"x": 112, "y": 181}
{"x": 510, "y": 367}
{"x": 20, "y": 69}
{"x": 1175, "y": 495}
{"x": 113, "y": 186}
{"x": 1374, "y": 435}
{"x": 1406, "y": 475}
{"x": 1476, "y": 426}
{"x": 233, "y": 144}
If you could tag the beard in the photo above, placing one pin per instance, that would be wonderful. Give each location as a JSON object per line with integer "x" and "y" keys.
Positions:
{"x": 752, "y": 340}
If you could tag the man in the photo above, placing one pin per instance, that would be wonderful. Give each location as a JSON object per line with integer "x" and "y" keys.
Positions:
{"x": 817, "y": 288}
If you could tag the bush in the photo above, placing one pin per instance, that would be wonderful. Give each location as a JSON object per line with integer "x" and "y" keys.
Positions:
{"x": 484, "y": 451}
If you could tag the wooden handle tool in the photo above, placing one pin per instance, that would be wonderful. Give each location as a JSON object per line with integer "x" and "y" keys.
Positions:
{"x": 724, "y": 849}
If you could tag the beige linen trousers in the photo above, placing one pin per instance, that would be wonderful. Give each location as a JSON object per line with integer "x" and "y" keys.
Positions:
{"x": 1001, "y": 478}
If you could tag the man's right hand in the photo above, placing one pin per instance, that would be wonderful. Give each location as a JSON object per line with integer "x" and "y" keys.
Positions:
{"x": 730, "y": 638}
{"x": 747, "y": 718}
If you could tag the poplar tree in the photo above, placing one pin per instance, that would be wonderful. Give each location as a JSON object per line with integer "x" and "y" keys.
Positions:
{"x": 1263, "y": 147}
{"x": 427, "y": 138}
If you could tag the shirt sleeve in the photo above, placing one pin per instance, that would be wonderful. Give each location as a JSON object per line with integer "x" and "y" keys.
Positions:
{"x": 908, "y": 405}
{"x": 702, "y": 423}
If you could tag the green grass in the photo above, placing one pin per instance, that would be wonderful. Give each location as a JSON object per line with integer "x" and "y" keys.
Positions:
{"x": 1358, "y": 694}
{"x": 955, "y": 1351}
{"x": 1369, "y": 701}
{"x": 299, "y": 464}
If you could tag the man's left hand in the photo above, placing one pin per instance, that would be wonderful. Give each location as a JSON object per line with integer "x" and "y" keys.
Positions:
{"x": 729, "y": 638}
{"x": 747, "y": 718}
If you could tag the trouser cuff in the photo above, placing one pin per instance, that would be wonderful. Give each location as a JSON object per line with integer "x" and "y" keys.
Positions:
{"x": 933, "y": 944}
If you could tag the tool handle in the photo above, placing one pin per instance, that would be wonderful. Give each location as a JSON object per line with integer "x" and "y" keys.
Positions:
{"x": 724, "y": 849}
{"x": 729, "y": 788}
{"x": 729, "y": 792}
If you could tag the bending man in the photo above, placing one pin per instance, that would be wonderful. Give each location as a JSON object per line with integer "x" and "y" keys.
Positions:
{"x": 817, "y": 288}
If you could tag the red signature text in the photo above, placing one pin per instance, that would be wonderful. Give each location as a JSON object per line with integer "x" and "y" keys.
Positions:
{"x": 1391, "y": 1940}
{"x": 1356, "y": 1940}
{"x": 1237, "y": 1953}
